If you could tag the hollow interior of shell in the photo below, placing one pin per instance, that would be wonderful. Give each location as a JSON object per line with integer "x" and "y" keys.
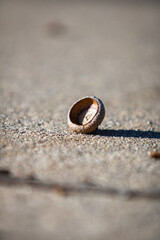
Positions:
{"x": 84, "y": 111}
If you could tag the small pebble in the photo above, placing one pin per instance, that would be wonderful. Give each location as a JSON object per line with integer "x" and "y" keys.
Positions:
{"x": 4, "y": 172}
{"x": 155, "y": 155}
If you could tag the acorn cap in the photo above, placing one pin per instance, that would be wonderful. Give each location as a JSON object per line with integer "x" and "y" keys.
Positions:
{"x": 86, "y": 114}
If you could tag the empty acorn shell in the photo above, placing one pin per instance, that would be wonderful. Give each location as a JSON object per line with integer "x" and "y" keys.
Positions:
{"x": 86, "y": 114}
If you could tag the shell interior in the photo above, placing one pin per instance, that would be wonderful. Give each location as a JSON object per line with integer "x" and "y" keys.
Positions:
{"x": 83, "y": 111}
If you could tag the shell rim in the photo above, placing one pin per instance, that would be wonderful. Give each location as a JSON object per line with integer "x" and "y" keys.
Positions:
{"x": 80, "y": 101}
{"x": 81, "y": 128}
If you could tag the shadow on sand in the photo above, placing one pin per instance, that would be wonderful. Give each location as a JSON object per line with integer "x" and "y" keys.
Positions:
{"x": 126, "y": 133}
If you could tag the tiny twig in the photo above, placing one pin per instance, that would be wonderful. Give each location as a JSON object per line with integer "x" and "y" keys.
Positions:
{"x": 9, "y": 180}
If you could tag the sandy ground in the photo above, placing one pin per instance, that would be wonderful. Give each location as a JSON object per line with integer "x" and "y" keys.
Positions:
{"x": 51, "y": 54}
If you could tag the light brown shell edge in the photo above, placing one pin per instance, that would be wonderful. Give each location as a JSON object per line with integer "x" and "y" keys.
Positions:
{"x": 94, "y": 123}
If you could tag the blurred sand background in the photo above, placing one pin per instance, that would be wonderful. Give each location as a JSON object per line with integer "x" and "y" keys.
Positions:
{"x": 51, "y": 54}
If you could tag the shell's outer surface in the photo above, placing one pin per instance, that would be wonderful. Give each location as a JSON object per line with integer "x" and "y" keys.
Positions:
{"x": 86, "y": 114}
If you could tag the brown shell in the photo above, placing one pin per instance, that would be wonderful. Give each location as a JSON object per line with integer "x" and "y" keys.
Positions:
{"x": 86, "y": 114}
